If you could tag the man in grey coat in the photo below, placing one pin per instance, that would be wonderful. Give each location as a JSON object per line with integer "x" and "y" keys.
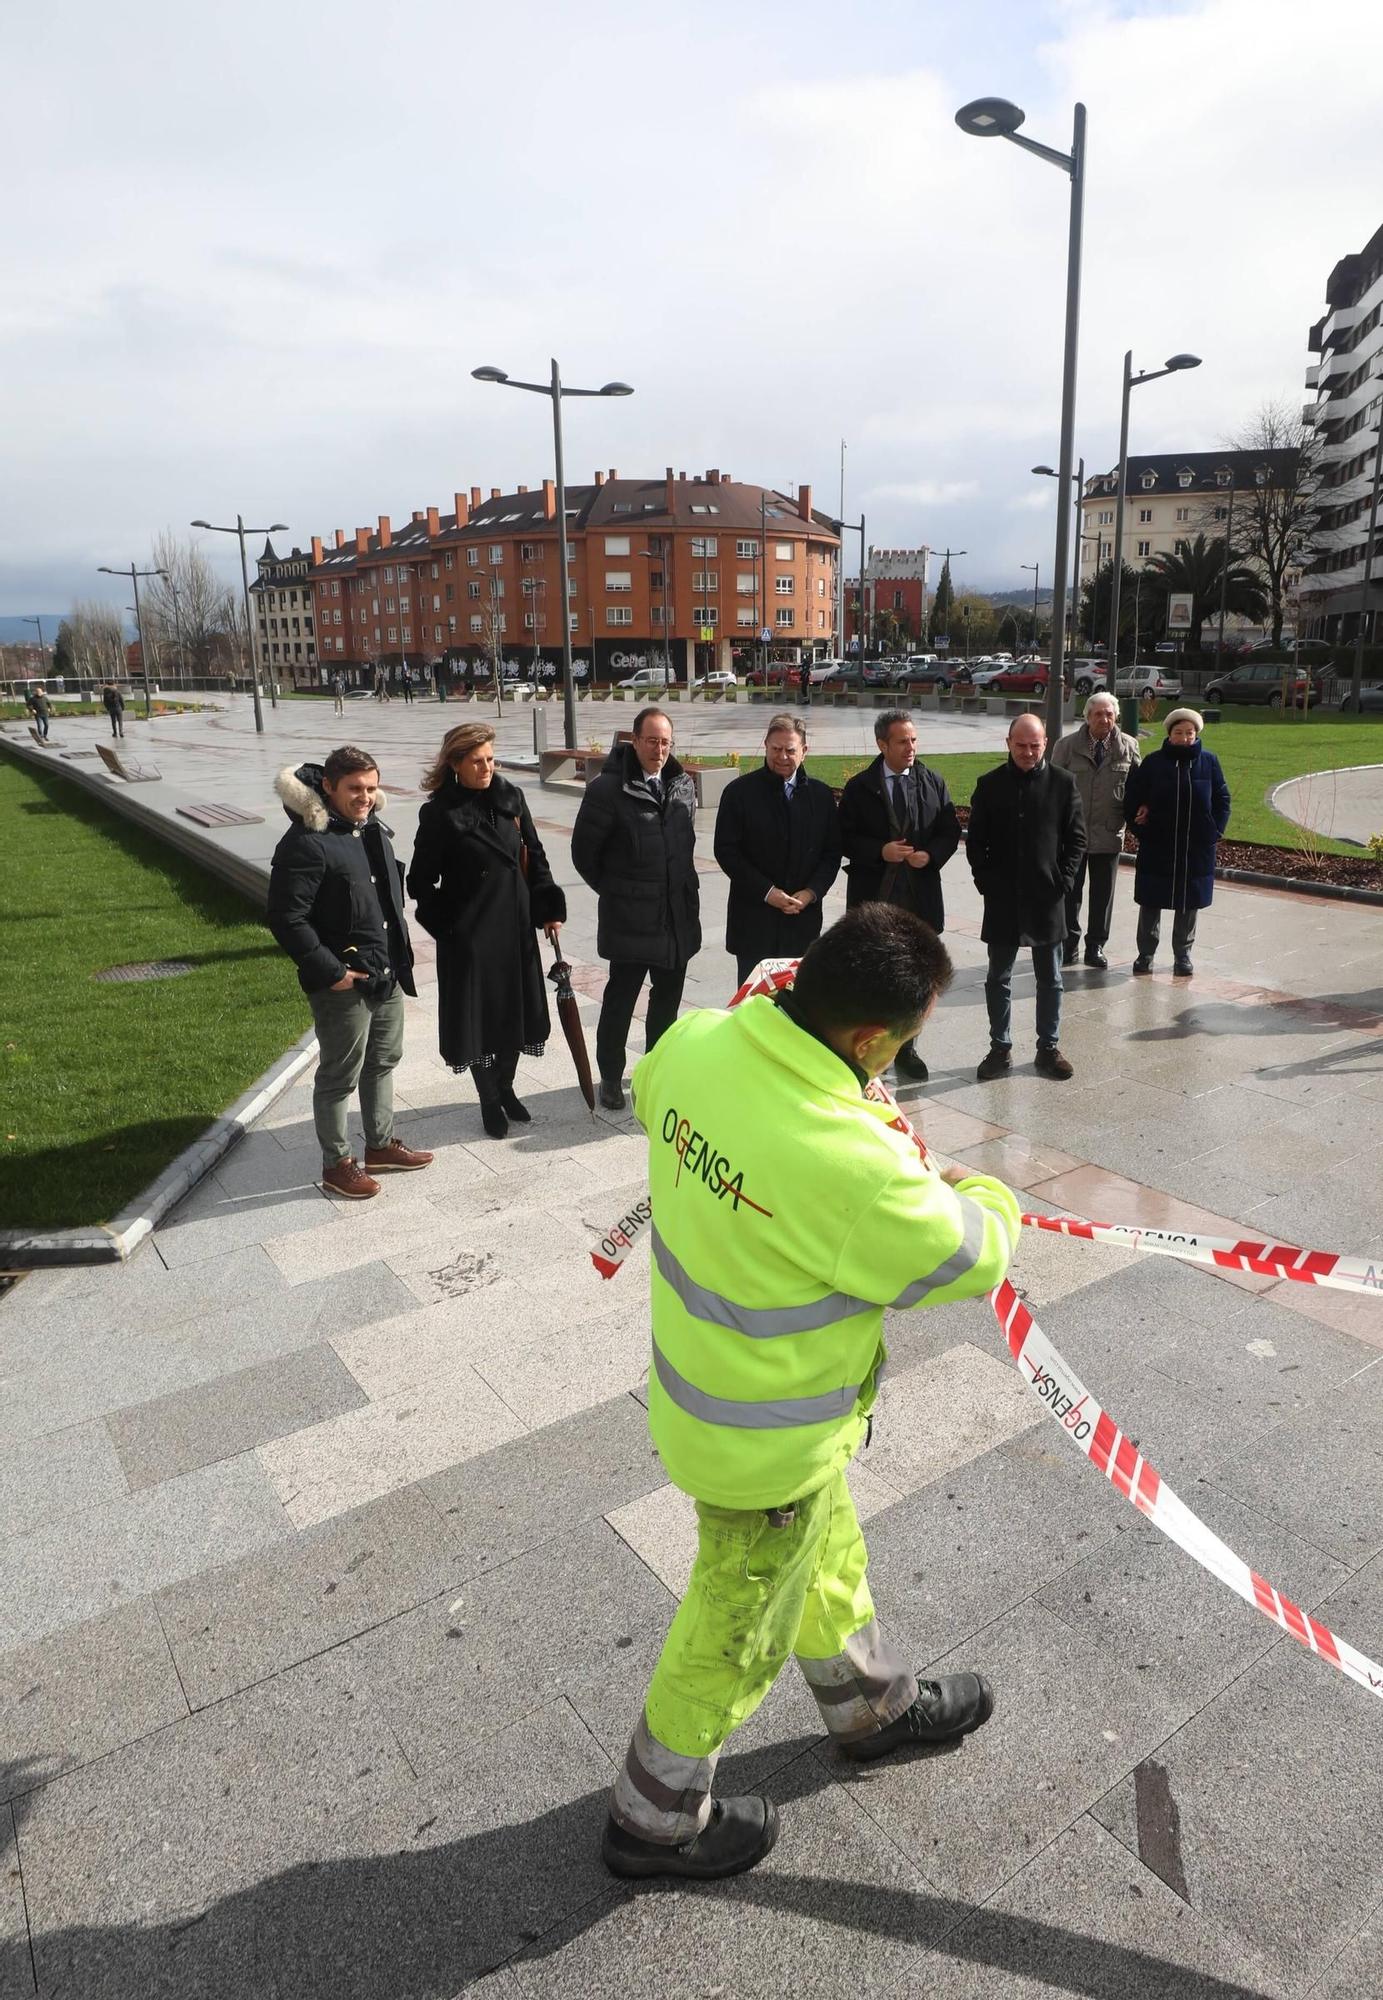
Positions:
{"x": 1100, "y": 757}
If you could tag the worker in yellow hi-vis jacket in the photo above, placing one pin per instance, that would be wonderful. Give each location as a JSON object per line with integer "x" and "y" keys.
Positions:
{"x": 788, "y": 1211}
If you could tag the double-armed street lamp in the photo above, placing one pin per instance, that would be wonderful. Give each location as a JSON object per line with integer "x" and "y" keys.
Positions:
{"x": 103, "y": 569}
{"x": 557, "y": 391}
{"x": 240, "y": 531}
{"x": 1034, "y": 568}
{"x": 1078, "y": 481}
{"x": 1173, "y": 366}
{"x": 42, "y": 651}
{"x": 996, "y": 118}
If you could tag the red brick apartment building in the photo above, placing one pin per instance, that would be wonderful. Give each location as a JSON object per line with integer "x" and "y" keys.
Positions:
{"x": 673, "y": 558}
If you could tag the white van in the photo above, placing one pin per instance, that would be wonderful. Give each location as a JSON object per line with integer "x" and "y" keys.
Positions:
{"x": 649, "y": 677}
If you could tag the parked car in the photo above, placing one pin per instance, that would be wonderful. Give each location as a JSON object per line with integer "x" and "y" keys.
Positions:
{"x": 1312, "y": 652}
{"x": 1086, "y": 675}
{"x": 1016, "y": 679}
{"x": 721, "y": 678}
{"x": 648, "y": 677}
{"x": 513, "y": 688}
{"x": 1155, "y": 681}
{"x": 1370, "y": 698}
{"x": 938, "y": 675}
{"x": 843, "y": 674}
{"x": 1263, "y": 681}
{"x": 882, "y": 673}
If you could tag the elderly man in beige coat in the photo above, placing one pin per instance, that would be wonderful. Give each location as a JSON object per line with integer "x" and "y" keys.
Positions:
{"x": 1099, "y": 756}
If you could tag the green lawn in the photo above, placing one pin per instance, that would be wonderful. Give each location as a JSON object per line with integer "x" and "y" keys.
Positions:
{"x": 1257, "y": 748}
{"x": 18, "y": 711}
{"x": 101, "y": 1086}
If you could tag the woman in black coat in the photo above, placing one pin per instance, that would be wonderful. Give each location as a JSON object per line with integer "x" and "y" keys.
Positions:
{"x": 482, "y": 885}
{"x": 1177, "y": 802}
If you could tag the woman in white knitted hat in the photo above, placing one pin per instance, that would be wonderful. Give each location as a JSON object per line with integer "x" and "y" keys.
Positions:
{"x": 1177, "y": 803}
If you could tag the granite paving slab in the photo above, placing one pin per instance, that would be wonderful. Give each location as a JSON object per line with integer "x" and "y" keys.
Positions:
{"x": 71, "y": 1698}
{"x": 16, "y": 1960}
{"x": 69, "y": 1570}
{"x": 211, "y": 1222}
{"x": 220, "y": 1419}
{"x": 246, "y": 1621}
{"x": 1265, "y": 1361}
{"x": 40, "y": 1327}
{"x": 937, "y": 1418}
{"x": 58, "y": 1474}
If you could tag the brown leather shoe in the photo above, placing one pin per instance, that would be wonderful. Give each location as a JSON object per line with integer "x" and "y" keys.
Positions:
{"x": 350, "y": 1179}
{"x": 395, "y": 1158}
{"x": 1051, "y": 1062}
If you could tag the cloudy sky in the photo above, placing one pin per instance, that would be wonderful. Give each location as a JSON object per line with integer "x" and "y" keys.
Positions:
{"x": 260, "y": 249}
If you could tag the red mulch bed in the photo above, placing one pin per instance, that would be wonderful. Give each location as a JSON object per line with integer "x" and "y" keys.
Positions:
{"x": 1251, "y": 857}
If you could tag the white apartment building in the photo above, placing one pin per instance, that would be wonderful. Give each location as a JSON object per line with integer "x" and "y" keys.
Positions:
{"x": 1169, "y": 499}
{"x": 281, "y": 605}
{"x": 1346, "y": 406}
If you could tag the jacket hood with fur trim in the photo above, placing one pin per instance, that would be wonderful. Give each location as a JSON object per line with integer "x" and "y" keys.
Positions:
{"x": 304, "y": 799}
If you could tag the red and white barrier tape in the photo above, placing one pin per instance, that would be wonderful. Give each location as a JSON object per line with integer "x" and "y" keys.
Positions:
{"x": 1227, "y": 1253}
{"x": 1093, "y": 1431}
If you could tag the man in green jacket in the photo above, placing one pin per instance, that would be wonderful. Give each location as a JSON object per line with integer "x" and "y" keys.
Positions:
{"x": 789, "y": 1210}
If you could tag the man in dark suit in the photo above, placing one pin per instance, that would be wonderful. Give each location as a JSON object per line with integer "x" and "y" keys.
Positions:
{"x": 1026, "y": 842}
{"x": 898, "y": 828}
{"x": 778, "y": 840}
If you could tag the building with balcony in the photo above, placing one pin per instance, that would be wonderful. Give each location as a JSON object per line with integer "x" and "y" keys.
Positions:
{"x": 1345, "y": 405}
{"x": 283, "y": 612}
{"x": 699, "y": 566}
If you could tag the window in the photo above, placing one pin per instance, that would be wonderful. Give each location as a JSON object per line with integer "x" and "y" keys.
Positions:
{"x": 393, "y": 635}
{"x": 1145, "y": 548}
{"x": 449, "y": 561}
{"x": 529, "y": 584}
{"x": 619, "y": 579}
{"x": 658, "y": 617}
{"x": 656, "y": 579}
{"x": 1183, "y": 513}
{"x": 782, "y": 586}
{"x": 496, "y": 552}
{"x": 336, "y": 617}
{"x": 703, "y": 508}
{"x": 821, "y": 621}
{"x": 472, "y": 557}
{"x": 451, "y": 595}
{"x": 782, "y": 551}
{"x": 336, "y": 590}
{"x": 617, "y": 545}
{"x": 897, "y": 600}
{"x": 706, "y": 579}
{"x": 389, "y": 604}
{"x": 477, "y": 622}
{"x": 528, "y": 621}
{"x": 451, "y": 627}
{"x": 704, "y": 614}
{"x": 619, "y": 614}
{"x": 744, "y": 615}
{"x": 1148, "y": 481}
{"x": 1184, "y": 477}
{"x": 374, "y": 607}
{"x": 408, "y": 635}
{"x": 1181, "y": 547}
{"x": 496, "y": 586}
{"x": 1144, "y": 516}
{"x": 473, "y": 588}
{"x": 528, "y": 552}
{"x": 340, "y": 645}
{"x": 704, "y": 545}
{"x": 405, "y": 604}
{"x": 1222, "y": 513}
{"x": 436, "y": 603}
{"x": 1105, "y": 516}
{"x": 434, "y": 572}
{"x": 821, "y": 586}
{"x": 1224, "y": 476}
{"x": 744, "y": 585}
{"x": 784, "y": 615}
{"x": 388, "y": 574}
{"x": 746, "y": 548}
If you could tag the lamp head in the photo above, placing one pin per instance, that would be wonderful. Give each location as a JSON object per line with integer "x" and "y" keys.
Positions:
{"x": 104, "y": 569}
{"x": 277, "y": 528}
{"x": 1179, "y": 361}
{"x": 990, "y": 118}
{"x": 617, "y": 389}
{"x": 1050, "y": 470}
{"x": 489, "y": 375}
{"x": 201, "y": 524}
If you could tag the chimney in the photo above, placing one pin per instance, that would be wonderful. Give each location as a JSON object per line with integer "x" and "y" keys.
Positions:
{"x": 550, "y": 499}
{"x": 475, "y": 498}
{"x": 683, "y": 477}
{"x": 523, "y": 489}
{"x": 316, "y": 551}
{"x": 340, "y": 535}
{"x": 494, "y": 493}
{"x": 463, "y": 512}
{"x": 434, "y": 522}
{"x": 385, "y": 532}
{"x": 670, "y": 500}
{"x": 804, "y": 502}
{"x": 613, "y": 473}
{"x": 599, "y": 477}
{"x": 713, "y": 476}
{"x": 362, "y": 541}
{"x": 418, "y": 515}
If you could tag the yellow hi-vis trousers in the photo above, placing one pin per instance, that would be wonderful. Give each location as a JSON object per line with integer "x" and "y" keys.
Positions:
{"x": 764, "y": 1585}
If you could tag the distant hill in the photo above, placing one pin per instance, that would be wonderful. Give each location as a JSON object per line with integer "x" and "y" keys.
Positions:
{"x": 1019, "y": 594}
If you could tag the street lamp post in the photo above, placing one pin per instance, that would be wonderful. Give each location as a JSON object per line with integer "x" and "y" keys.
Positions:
{"x": 102, "y": 569}
{"x": 42, "y": 652}
{"x": 556, "y": 391}
{"x": 1224, "y": 582}
{"x": 176, "y": 596}
{"x": 996, "y": 118}
{"x": 1173, "y": 366}
{"x": 1033, "y": 567}
{"x": 240, "y": 531}
{"x": 1079, "y": 478}
{"x": 856, "y": 528}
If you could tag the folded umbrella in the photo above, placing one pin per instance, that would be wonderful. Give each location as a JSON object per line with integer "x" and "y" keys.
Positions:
{"x": 569, "y": 1014}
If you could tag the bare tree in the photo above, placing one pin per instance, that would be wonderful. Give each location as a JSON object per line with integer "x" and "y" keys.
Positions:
{"x": 96, "y": 636}
{"x": 194, "y": 626}
{"x": 1276, "y": 523}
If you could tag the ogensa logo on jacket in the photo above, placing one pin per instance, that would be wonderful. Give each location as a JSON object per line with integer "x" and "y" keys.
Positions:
{"x": 699, "y": 1159}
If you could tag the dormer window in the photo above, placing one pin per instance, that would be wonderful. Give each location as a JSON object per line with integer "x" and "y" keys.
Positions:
{"x": 1223, "y": 476}
{"x": 1148, "y": 481}
{"x": 1184, "y": 477}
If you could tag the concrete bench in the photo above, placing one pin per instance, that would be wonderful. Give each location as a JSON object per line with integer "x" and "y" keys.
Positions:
{"x": 45, "y": 742}
{"x": 219, "y": 815}
{"x": 577, "y": 764}
{"x": 126, "y": 767}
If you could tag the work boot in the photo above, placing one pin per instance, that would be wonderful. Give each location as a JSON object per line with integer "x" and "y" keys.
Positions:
{"x": 350, "y": 1179}
{"x": 909, "y": 1064}
{"x": 943, "y": 1709}
{"x": 739, "y": 1832}
{"x": 1051, "y": 1062}
{"x": 998, "y": 1062}
{"x": 610, "y": 1095}
{"x": 395, "y": 1158}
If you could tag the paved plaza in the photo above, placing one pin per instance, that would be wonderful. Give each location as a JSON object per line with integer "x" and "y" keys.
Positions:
{"x": 337, "y": 1556}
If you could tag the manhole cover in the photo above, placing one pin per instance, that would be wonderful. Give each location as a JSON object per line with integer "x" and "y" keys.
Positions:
{"x": 157, "y": 968}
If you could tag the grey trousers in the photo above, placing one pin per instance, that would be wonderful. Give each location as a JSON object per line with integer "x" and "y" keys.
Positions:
{"x": 1150, "y": 931}
{"x": 360, "y": 1042}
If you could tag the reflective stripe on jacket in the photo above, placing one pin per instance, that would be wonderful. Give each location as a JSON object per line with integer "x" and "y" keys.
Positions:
{"x": 787, "y": 1214}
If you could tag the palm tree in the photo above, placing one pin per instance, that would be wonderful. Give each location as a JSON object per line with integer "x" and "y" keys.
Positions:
{"x": 1197, "y": 571}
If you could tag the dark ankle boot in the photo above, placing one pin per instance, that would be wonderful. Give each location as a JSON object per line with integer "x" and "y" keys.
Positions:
{"x": 512, "y": 1108}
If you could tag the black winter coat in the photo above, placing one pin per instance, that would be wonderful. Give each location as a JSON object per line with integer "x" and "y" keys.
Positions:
{"x": 471, "y": 894}
{"x": 638, "y": 854}
{"x": 866, "y": 828}
{"x": 1188, "y": 810}
{"x": 764, "y": 841}
{"x": 1026, "y": 841}
{"x": 335, "y": 890}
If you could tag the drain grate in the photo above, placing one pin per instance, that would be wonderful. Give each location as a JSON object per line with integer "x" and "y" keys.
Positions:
{"x": 155, "y": 968}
